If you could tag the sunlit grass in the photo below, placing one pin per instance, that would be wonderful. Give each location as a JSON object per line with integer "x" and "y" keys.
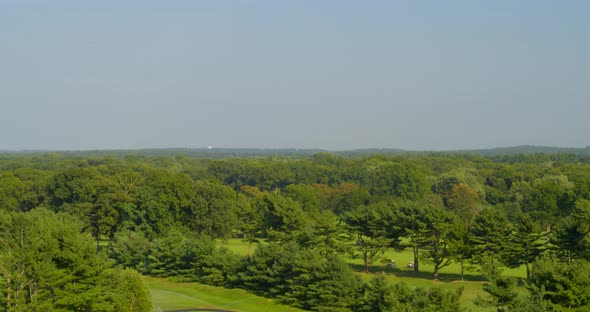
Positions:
{"x": 167, "y": 295}
{"x": 449, "y": 277}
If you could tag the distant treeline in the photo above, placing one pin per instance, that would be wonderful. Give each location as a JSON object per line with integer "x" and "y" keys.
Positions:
{"x": 520, "y": 153}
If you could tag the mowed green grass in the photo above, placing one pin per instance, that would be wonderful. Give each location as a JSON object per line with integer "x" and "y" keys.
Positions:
{"x": 168, "y": 295}
{"x": 449, "y": 277}
{"x": 401, "y": 258}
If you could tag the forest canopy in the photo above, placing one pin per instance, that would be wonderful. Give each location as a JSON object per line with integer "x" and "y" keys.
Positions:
{"x": 78, "y": 230}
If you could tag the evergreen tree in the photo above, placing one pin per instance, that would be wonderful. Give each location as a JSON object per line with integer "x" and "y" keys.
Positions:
{"x": 501, "y": 289}
{"x": 564, "y": 285}
{"x": 527, "y": 242}
{"x": 47, "y": 264}
{"x": 488, "y": 235}
{"x": 368, "y": 226}
{"x": 572, "y": 234}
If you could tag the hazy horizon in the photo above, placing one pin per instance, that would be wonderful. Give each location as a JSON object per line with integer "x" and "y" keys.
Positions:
{"x": 212, "y": 148}
{"x": 333, "y": 75}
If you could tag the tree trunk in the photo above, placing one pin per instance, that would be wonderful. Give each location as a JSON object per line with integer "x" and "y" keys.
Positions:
{"x": 462, "y": 269}
{"x": 436, "y": 261}
{"x": 366, "y": 260}
{"x": 416, "y": 263}
{"x": 528, "y": 270}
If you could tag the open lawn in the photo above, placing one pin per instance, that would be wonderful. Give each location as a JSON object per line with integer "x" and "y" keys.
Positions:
{"x": 168, "y": 296}
{"x": 449, "y": 277}
{"x": 401, "y": 258}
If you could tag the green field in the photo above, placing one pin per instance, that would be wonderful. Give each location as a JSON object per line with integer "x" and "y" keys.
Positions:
{"x": 401, "y": 258}
{"x": 449, "y": 277}
{"x": 169, "y": 295}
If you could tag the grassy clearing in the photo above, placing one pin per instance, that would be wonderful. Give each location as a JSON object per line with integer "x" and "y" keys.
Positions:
{"x": 449, "y": 277}
{"x": 449, "y": 273}
{"x": 401, "y": 258}
{"x": 238, "y": 246}
{"x": 167, "y": 295}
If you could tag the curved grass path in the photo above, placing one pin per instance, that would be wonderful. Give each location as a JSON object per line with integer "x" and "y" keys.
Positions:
{"x": 170, "y": 296}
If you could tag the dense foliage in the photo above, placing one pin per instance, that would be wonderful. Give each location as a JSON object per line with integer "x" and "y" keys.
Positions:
{"x": 46, "y": 264}
{"x": 161, "y": 215}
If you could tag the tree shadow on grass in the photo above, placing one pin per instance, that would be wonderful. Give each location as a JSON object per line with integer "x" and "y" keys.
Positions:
{"x": 409, "y": 273}
{"x": 197, "y": 309}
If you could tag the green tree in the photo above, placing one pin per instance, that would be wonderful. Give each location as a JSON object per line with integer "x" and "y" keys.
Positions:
{"x": 264, "y": 272}
{"x": 299, "y": 276}
{"x": 412, "y": 221}
{"x": 250, "y": 220}
{"x": 548, "y": 199}
{"x": 501, "y": 289}
{"x": 161, "y": 201}
{"x": 489, "y": 235}
{"x": 128, "y": 181}
{"x": 71, "y": 186}
{"x": 35, "y": 182}
{"x": 572, "y": 234}
{"x": 369, "y": 227}
{"x": 12, "y": 192}
{"x": 104, "y": 213}
{"x": 349, "y": 196}
{"x": 47, "y": 264}
{"x": 378, "y": 295}
{"x": 130, "y": 249}
{"x": 129, "y": 291}
{"x": 282, "y": 218}
{"x": 328, "y": 233}
{"x": 462, "y": 250}
{"x": 566, "y": 286}
{"x": 442, "y": 237}
{"x": 461, "y": 188}
{"x": 527, "y": 242}
{"x": 304, "y": 195}
{"x": 430, "y": 227}
{"x": 188, "y": 257}
{"x": 398, "y": 179}
{"x": 214, "y": 210}
{"x": 464, "y": 201}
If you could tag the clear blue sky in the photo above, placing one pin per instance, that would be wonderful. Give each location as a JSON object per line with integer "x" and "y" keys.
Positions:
{"x": 303, "y": 74}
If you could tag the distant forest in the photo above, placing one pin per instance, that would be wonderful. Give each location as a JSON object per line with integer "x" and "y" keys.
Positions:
{"x": 528, "y": 151}
{"x": 78, "y": 229}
